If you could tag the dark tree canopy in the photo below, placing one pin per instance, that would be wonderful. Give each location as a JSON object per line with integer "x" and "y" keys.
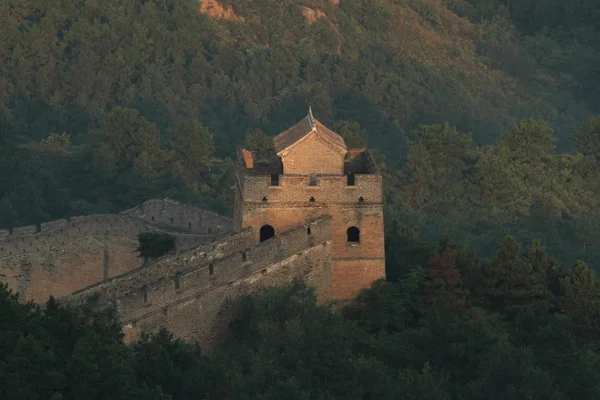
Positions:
{"x": 104, "y": 104}
{"x": 456, "y": 327}
{"x": 155, "y": 244}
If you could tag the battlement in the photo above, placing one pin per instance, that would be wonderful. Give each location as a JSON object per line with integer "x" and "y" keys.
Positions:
{"x": 225, "y": 255}
{"x": 356, "y": 161}
{"x": 146, "y": 297}
{"x": 59, "y": 257}
{"x": 309, "y": 207}
{"x": 172, "y": 215}
{"x": 160, "y": 215}
{"x": 297, "y": 189}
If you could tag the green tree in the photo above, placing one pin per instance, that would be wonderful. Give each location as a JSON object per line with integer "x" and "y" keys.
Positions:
{"x": 258, "y": 142}
{"x": 155, "y": 244}
{"x": 436, "y": 166}
{"x": 587, "y": 139}
{"x": 8, "y": 215}
{"x": 124, "y": 137}
{"x": 530, "y": 142}
{"x": 581, "y": 300}
{"x": 510, "y": 280}
{"x": 353, "y": 135}
{"x": 191, "y": 147}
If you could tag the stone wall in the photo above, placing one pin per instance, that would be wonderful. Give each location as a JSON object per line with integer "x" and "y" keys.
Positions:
{"x": 174, "y": 215}
{"x": 191, "y": 294}
{"x": 354, "y": 265}
{"x": 329, "y": 189}
{"x": 66, "y": 255}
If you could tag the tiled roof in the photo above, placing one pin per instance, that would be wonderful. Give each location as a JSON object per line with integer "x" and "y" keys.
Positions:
{"x": 292, "y": 135}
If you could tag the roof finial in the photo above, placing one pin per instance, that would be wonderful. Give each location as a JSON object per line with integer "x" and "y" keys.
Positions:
{"x": 310, "y": 117}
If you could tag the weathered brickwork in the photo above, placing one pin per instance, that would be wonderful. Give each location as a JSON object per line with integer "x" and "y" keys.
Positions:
{"x": 367, "y": 218}
{"x": 175, "y": 215}
{"x": 190, "y": 294}
{"x": 309, "y": 177}
{"x": 313, "y": 156}
{"x": 168, "y": 267}
{"x": 67, "y": 255}
{"x": 329, "y": 189}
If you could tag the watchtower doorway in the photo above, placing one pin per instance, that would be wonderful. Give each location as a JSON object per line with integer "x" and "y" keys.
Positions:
{"x": 353, "y": 234}
{"x": 266, "y": 232}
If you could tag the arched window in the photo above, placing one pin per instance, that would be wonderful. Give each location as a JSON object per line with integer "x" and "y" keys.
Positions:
{"x": 266, "y": 232}
{"x": 353, "y": 235}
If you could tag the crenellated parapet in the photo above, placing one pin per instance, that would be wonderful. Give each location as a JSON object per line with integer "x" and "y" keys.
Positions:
{"x": 191, "y": 226}
{"x": 152, "y": 297}
{"x": 59, "y": 257}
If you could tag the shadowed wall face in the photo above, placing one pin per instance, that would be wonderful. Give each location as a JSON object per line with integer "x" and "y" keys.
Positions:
{"x": 65, "y": 256}
{"x": 191, "y": 294}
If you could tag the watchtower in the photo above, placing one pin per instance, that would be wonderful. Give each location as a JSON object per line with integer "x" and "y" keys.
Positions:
{"x": 308, "y": 173}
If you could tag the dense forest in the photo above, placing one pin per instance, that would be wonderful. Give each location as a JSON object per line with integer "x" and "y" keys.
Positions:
{"x": 451, "y": 326}
{"x": 482, "y": 111}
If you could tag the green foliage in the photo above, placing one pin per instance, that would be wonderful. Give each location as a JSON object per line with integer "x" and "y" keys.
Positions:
{"x": 587, "y": 140}
{"x": 191, "y": 146}
{"x": 155, "y": 244}
{"x": 53, "y": 352}
{"x": 353, "y": 135}
{"x": 124, "y": 137}
{"x": 581, "y": 299}
{"x": 128, "y": 110}
{"x": 127, "y": 84}
{"x": 512, "y": 334}
{"x": 258, "y": 142}
{"x": 519, "y": 186}
{"x": 510, "y": 281}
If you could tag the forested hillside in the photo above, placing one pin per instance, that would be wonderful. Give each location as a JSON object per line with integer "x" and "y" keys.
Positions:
{"x": 455, "y": 327}
{"x": 483, "y": 114}
{"x": 107, "y": 103}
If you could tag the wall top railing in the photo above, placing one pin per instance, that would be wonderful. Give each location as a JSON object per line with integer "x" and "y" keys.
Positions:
{"x": 50, "y": 226}
{"x": 224, "y": 253}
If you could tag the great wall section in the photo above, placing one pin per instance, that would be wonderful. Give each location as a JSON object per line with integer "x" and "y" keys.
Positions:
{"x": 191, "y": 294}
{"x": 92, "y": 260}
{"x": 309, "y": 208}
{"x": 59, "y": 257}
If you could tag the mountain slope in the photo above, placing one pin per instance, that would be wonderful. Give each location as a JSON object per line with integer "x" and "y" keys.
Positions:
{"x": 388, "y": 65}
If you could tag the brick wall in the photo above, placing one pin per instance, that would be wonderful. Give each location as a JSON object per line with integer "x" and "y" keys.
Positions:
{"x": 329, "y": 189}
{"x": 190, "y": 294}
{"x": 350, "y": 276}
{"x": 67, "y": 255}
{"x": 289, "y": 204}
{"x": 167, "y": 267}
{"x": 202, "y": 312}
{"x": 175, "y": 215}
{"x": 312, "y": 155}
